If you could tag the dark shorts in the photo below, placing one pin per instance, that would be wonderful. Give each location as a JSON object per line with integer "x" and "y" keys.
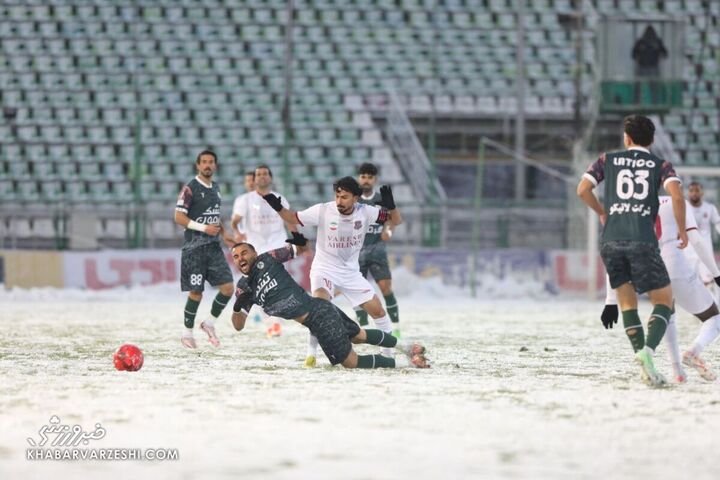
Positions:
{"x": 332, "y": 328}
{"x": 375, "y": 261}
{"x": 205, "y": 263}
{"x": 636, "y": 262}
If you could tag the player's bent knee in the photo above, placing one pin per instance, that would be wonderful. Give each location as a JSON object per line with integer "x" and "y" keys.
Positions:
{"x": 360, "y": 337}
{"x": 197, "y": 296}
{"x": 351, "y": 360}
{"x": 227, "y": 289}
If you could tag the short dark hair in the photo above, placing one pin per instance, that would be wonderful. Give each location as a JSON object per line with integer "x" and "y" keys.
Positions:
{"x": 367, "y": 168}
{"x": 262, "y": 165}
{"x": 349, "y": 184}
{"x": 640, "y": 129}
{"x": 250, "y": 172}
{"x": 206, "y": 152}
{"x": 695, "y": 184}
{"x": 240, "y": 244}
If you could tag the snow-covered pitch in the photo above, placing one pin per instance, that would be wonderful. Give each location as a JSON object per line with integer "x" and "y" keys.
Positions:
{"x": 520, "y": 388}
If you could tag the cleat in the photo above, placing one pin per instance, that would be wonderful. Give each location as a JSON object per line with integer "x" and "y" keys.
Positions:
{"x": 210, "y": 330}
{"x": 649, "y": 374}
{"x": 274, "y": 330}
{"x": 419, "y": 361}
{"x": 396, "y": 333}
{"x": 188, "y": 342}
{"x": 411, "y": 349}
{"x": 310, "y": 362}
{"x": 679, "y": 372}
{"x": 694, "y": 361}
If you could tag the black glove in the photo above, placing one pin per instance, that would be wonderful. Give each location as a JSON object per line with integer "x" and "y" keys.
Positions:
{"x": 386, "y": 197}
{"x": 297, "y": 239}
{"x": 275, "y": 202}
{"x": 609, "y": 316}
{"x": 717, "y": 281}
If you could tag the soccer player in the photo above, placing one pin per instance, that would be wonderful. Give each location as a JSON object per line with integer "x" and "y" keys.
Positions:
{"x": 341, "y": 227}
{"x": 706, "y": 215}
{"x": 629, "y": 248}
{"x": 198, "y": 210}
{"x": 373, "y": 256}
{"x": 267, "y": 283}
{"x": 236, "y": 220}
{"x": 687, "y": 288}
{"x": 264, "y": 228}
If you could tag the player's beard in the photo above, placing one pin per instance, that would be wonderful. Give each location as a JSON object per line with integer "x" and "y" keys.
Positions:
{"x": 367, "y": 189}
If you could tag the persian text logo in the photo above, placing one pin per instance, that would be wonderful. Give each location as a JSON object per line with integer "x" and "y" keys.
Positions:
{"x": 66, "y": 435}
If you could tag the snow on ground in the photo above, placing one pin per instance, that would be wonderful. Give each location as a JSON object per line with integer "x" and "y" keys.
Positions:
{"x": 531, "y": 387}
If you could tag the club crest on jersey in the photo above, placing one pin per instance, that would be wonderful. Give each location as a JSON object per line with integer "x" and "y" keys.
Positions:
{"x": 358, "y": 224}
{"x": 333, "y": 225}
{"x": 260, "y": 265}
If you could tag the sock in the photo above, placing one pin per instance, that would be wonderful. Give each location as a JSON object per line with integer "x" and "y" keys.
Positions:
{"x": 634, "y": 329}
{"x": 709, "y": 331}
{"x": 188, "y": 332}
{"x": 191, "y": 307}
{"x": 312, "y": 346}
{"x": 375, "y": 361}
{"x": 378, "y": 337}
{"x": 671, "y": 341}
{"x": 219, "y": 304}
{"x": 362, "y": 316}
{"x": 659, "y": 320}
{"x": 392, "y": 308}
{"x": 383, "y": 323}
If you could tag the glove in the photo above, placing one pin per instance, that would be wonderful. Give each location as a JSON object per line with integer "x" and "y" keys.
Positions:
{"x": 275, "y": 202}
{"x": 297, "y": 239}
{"x": 609, "y": 316}
{"x": 386, "y": 197}
{"x": 717, "y": 281}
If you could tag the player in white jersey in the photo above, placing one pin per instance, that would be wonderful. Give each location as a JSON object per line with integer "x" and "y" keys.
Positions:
{"x": 238, "y": 225}
{"x": 341, "y": 227}
{"x": 706, "y": 215}
{"x": 687, "y": 288}
{"x": 264, "y": 229}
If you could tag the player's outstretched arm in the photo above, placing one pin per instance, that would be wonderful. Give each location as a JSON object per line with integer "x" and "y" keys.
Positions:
{"x": 704, "y": 254}
{"x": 586, "y": 194}
{"x": 288, "y": 215}
{"x": 678, "y": 204}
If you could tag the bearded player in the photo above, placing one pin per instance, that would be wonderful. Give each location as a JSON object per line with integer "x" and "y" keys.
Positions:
{"x": 688, "y": 290}
{"x": 373, "y": 256}
{"x": 707, "y": 217}
{"x": 202, "y": 259}
{"x": 341, "y": 228}
{"x": 268, "y": 284}
{"x": 629, "y": 247}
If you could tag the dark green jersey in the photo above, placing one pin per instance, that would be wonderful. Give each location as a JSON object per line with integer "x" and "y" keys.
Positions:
{"x": 269, "y": 285}
{"x": 372, "y": 236}
{"x": 202, "y": 204}
{"x": 632, "y": 183}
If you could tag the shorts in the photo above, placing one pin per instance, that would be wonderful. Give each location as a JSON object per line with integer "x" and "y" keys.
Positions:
{"x": 205, "y": 263}
{"x": 636, "y": 262}
{"x": 690, "y": 293}
{"x": 351, "y": 284}
{"x": 375, "y": 261}
{"x": 332, "y": 328}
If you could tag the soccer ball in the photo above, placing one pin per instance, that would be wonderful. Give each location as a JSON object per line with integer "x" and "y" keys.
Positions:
{"x": 128, "y": 357}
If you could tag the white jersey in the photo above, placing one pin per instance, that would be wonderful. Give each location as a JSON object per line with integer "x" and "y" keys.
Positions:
{"x": 706, "y": 217}
{"x": 264, "y": 227}
{"x": 340, "y": 237}
{"x": 236, "y": 208}
{"x": 667, "y": 233}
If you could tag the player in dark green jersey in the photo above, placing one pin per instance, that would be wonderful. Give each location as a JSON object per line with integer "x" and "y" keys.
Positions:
{"x": 267, "y": 284}
{"x": 629, "y": 247}
{"x": 373, "y": 256}
{"x": 198, "y": 210}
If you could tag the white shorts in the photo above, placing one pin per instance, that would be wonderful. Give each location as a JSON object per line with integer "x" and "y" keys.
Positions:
{"x": 351, "y": 284}
{"x": 690, "y": 293}
{"x": 698, "y": 266}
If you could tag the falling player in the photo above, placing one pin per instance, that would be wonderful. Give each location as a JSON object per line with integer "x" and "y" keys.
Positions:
{"x": 687, "y": 289}
{"x": 342, "y": 225}
{"x": 236, "y": 220}
{"x": 267, "y": 283}
{"x": 373, "y": 256}
{"x": 629, "y": 248}
{"x": 202, "y": 259}
{"x": 706, "y": 215}
{"x": 264, "y": 228}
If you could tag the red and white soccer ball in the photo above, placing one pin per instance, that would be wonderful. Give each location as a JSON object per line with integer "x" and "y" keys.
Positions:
{"x": 128, "y": 358}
